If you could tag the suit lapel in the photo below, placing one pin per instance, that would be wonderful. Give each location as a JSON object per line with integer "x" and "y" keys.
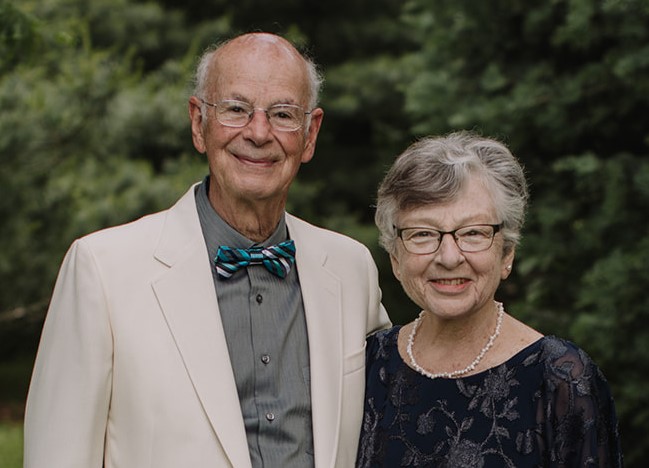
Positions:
{"x": 188, "y": 302}
{"x": 321, "y": 293}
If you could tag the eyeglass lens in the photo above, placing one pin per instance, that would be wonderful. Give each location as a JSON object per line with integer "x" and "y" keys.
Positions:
{"x": 468, "y": 238}
{"x": 286, "y": 117}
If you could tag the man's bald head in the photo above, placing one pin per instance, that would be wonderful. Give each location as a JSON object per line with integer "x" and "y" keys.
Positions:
{"x": 271, "y": 45}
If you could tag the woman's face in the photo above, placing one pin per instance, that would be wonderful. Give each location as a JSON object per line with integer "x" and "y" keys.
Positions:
{"x": 450, "y": 283}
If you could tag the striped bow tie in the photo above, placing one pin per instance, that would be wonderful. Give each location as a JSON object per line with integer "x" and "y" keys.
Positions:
{"x": 277, "y": 259}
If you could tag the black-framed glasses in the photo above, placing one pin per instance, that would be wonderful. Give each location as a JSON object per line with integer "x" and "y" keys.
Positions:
{"x": 424, "y": 240}
{"x": 237, "y": 114}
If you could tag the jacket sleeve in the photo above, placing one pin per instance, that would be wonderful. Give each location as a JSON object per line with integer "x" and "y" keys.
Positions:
{"x": 377, "y": 317}
{"x": 68, "y": 400}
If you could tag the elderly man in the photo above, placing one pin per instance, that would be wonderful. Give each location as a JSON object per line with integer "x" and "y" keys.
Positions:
{"x": 222, "y": 332}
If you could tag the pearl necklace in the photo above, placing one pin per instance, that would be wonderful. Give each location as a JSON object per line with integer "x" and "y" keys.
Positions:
{"x": 467, "y": 369}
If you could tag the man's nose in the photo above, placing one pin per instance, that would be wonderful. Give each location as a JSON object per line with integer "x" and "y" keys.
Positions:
{"x": 258, "y": 127}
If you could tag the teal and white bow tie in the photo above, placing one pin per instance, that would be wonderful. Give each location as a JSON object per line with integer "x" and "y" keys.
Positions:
{"x": 278, "y": 259}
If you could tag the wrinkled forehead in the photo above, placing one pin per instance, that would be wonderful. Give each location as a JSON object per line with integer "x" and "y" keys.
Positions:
{"x": 260, "y": 57}
{"x": 269, "y": 43}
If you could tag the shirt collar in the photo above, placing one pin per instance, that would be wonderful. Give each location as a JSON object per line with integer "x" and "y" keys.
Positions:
{"x": 218, "y": 232}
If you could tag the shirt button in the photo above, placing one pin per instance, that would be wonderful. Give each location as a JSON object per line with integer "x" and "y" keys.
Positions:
{"x": 265, "y": 358}
{"x": 259, "y": 298}
{"x": 270, "y": 416}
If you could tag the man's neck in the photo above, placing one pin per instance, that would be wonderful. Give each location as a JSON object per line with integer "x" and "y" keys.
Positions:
{"x": 254, "y": 220}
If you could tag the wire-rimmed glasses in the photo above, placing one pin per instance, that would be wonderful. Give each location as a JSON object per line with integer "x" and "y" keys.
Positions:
{"x": 237, "y": 114}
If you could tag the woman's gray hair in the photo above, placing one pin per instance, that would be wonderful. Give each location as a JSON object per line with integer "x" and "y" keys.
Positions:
{"x": 315, "y": 78}
{"x": 435, "y": 169}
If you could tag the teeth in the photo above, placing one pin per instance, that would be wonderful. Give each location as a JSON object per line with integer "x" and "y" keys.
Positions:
{"x": 452, "y": 282}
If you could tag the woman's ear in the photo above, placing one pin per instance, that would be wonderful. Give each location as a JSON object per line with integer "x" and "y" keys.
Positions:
{"x": 507, "y": 264}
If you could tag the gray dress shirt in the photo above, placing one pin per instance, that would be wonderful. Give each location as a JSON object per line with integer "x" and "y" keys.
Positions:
{"x": 265, "y": 329}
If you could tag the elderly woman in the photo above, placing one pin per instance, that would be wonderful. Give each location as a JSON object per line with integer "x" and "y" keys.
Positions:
{"x": 466, "y": 384}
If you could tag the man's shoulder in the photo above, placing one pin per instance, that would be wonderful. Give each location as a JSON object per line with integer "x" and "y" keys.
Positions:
{"x": 300, "y": 228}
{"x": 141, "y": 226}
{"x": 145, "y": 229}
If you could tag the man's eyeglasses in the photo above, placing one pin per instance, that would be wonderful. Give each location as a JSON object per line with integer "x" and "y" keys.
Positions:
{"x": 423, "y": 240}
{"x": 282, "y": 117}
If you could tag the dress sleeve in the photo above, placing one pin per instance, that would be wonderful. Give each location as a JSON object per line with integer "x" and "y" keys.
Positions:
{"x": 578, "y": 421}
{"x": 378, "y": 345}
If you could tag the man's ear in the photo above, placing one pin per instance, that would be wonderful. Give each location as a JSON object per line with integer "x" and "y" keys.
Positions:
{"x": 197, "y": 124}
{"x": 315, "y": 121}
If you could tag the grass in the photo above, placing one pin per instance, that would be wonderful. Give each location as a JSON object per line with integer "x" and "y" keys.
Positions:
{"x": 11, "y": 445}
{"x": 14, "y": 381}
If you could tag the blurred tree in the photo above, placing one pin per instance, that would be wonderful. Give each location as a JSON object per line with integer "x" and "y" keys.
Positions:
{"x": 94, "y": 132}
{"x": 564, "y": 83}
{"x": 17, "y": 35}
{"x": 89, "y": 137}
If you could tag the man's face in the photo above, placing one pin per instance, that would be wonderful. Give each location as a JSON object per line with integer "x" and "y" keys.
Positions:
{"x": 254, "y": 163}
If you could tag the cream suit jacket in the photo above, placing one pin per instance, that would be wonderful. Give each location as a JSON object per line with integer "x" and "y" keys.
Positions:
{"x": 133, "y": 369}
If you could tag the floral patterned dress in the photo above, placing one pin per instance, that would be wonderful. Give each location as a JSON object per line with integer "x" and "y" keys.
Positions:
{"x": 547, "y": 406}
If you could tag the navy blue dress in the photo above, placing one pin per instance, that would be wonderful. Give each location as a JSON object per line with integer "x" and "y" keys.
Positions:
{"x": 547, "y": 406}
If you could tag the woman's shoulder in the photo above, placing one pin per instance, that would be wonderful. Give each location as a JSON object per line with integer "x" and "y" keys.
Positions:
{"x": 380, "y": 343}
{"x": 385, "y": 334}
{"x": 559, "y": 351}
{"x": 578, "y": 401}
{"x": 564, "y": 361}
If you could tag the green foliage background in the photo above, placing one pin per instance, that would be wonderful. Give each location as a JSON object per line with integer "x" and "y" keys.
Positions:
{"x": 94, "y": 132}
